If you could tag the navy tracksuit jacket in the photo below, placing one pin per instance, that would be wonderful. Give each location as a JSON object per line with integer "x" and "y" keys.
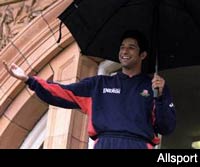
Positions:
{"x": 122, "y": 111}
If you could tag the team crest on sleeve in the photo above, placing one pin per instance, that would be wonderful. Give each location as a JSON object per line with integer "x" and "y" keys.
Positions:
{"x": 171, "y": 105}
{"x": 145, "y": 93}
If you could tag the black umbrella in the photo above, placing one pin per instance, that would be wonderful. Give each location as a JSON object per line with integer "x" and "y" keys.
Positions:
{"x": 172, "y": 27}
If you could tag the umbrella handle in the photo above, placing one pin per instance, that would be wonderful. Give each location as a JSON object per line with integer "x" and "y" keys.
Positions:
{"x": 155, "y": 92}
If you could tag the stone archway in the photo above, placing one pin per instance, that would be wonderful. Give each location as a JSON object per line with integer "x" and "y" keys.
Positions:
{"x": 35, "y": 50}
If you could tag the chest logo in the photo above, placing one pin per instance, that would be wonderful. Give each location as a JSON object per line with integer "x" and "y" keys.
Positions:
{"x": 112, "y": 90}
{"x": 145, "y": 93}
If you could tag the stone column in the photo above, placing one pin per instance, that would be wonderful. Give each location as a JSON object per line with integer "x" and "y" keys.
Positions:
{"x": 67, "y": 128}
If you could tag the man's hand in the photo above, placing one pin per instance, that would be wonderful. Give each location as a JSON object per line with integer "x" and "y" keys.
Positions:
{"x": 158, "y": 83}
{"x": 16, "y": 71}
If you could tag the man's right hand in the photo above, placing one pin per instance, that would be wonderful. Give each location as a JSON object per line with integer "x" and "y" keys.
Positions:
{"x": 16, "y": 71}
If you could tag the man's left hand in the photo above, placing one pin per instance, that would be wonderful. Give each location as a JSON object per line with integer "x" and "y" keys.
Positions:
{"x": 158, "y": 83}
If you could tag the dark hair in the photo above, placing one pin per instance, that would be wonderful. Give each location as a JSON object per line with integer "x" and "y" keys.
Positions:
{"x": 139, "y": 36}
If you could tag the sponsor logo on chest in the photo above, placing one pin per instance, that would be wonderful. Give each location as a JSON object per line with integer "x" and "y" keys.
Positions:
{"x": 112, "y": 90}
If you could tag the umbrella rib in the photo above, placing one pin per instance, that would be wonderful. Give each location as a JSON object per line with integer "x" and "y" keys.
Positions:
{"x": 184, "y": 8}
{"x": 106, "y": 20}
{"x": 102, "y": 25}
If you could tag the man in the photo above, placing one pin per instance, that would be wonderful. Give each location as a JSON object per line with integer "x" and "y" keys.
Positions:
{"x": 123, "y": 114}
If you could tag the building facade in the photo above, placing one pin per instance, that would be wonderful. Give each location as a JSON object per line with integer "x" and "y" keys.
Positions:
{"x": 29, "y": 34}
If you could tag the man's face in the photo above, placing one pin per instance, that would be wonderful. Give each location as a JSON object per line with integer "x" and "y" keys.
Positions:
{"x": 129, "y": 54}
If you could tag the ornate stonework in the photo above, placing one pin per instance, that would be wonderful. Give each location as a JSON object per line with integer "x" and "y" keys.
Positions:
{"x": 35, "y": 46}
{"x": 15, "y": 16}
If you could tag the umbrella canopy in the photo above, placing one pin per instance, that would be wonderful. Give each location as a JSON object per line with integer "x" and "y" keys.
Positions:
{"x": 171, "y": 26}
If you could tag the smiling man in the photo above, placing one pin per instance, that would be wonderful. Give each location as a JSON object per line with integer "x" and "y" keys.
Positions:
{"x": 122, "y": 111}
{"x": 133, "y": 50}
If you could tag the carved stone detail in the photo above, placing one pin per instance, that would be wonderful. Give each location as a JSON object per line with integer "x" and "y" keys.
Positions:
{"x": 14, "y": 17}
